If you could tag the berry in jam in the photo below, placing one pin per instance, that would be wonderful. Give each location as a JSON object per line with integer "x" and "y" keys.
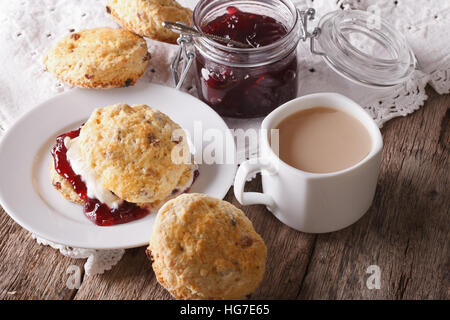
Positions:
{"x": 96, "y": 211}
{"x": 246, "y": 92}
{"x": 254, "y": 29}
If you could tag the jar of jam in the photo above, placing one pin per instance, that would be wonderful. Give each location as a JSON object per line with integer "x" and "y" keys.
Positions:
{"x": 246, "y": 82}
{"x": 251, "y": 82}
{"x": 241, "y": 82}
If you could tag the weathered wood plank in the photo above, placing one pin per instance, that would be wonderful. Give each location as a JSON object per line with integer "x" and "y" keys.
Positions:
{"x": 29, "y": 270}
{"x": 407, "y": 230}
{"x": 288, "y": 251}
{"x": 132, "y": 278}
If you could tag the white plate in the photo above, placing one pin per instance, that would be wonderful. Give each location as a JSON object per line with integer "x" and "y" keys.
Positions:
{"x": 25, "y": 189}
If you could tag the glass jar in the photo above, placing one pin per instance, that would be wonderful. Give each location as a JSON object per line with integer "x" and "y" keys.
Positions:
{"x": 241, "y": 82}
{"x": 251, "y": 82}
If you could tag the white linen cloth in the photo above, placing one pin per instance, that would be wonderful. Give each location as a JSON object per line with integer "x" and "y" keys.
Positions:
{"x": 29, "y": 28}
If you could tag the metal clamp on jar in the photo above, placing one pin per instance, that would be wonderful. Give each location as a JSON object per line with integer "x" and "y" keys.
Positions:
{"x": 240, "y": 80}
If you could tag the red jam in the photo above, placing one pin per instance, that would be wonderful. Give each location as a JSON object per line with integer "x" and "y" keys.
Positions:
{"x": 246, "y": 92}
{"x": 249, "y": 28}
{"x": 96, "y": 211}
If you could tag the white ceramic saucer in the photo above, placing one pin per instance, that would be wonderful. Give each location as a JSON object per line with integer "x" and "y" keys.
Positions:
{"x": 25, "y": 189}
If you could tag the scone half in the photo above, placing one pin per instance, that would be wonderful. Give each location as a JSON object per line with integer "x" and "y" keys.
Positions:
{"x": 99, "y": 58}
{"x": 145, "y": 17}
{"x": 206, "y": 248}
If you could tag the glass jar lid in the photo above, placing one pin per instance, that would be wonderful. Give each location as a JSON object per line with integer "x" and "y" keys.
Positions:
{"x": 362, "y": 47}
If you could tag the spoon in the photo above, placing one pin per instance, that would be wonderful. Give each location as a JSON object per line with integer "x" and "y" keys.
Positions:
{"x": 184, "y": 29}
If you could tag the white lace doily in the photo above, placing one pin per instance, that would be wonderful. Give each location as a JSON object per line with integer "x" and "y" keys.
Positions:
{"x": 28, "y": 28}
{"x": 98, "y": 261}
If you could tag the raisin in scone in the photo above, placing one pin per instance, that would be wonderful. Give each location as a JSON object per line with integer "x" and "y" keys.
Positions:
{"x": 145, "y": 17}
{"x": 206, "y": 248}
{"x": 122, "y": 158}
{"x": 99, "y": 58}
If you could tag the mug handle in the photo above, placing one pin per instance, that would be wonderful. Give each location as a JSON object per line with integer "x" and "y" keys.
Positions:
{"x": 247, "y": 168}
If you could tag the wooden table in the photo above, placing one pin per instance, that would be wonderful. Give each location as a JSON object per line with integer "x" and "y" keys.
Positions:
{"x": 406, "y": 233}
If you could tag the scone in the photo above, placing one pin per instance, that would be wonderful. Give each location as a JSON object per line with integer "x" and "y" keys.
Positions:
{"x": 63, "y": 186}
{"x": 99, "y": 58}
{"x": 123, "y": 163}
{"x": 206, "y": 248}
{"x": 145, "y": 17}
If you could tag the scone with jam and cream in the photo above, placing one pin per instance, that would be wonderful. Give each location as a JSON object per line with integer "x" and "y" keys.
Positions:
{"x": 123, "y": 163}
{"x": 206, "y": 248}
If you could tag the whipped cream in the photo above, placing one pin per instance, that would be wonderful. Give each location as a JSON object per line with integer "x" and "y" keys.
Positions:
{"x": 95, "y": 189}
{"x": 182, "y": 188}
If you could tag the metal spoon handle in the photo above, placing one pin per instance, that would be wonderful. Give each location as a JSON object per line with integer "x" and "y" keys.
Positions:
{"x": 184, "y": 29}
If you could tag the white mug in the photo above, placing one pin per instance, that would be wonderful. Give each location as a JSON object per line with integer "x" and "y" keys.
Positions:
{"x": 313, "y": 202}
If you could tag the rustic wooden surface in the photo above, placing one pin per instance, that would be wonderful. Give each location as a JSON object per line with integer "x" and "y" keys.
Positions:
{"x": 406, "y": 233}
